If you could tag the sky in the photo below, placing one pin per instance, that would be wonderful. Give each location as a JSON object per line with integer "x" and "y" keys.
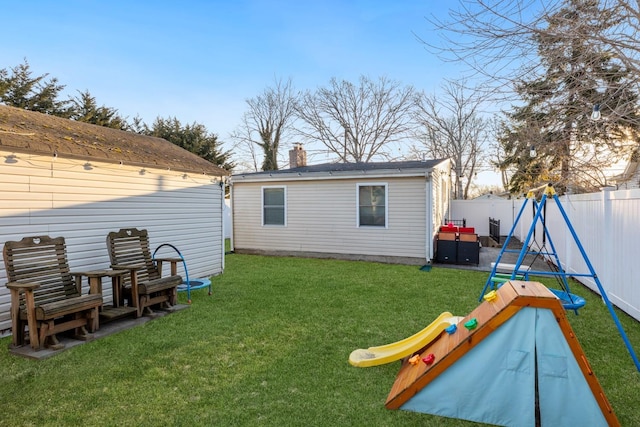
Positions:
{"x": 199, "y": 61}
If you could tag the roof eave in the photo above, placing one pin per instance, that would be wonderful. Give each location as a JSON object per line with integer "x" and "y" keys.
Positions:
{"x": 307, "y": 176}
{"x": 213, "y": 171}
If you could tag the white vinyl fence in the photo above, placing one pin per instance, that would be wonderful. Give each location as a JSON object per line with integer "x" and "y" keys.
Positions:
{"x": 606, "y": 223}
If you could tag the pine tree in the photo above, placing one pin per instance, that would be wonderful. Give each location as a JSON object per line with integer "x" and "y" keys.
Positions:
{"x": 20, "y": 89}
{"x": 576, "y": 74}
{"x": 85, "y": 109}
{"x": 194, "y": 138}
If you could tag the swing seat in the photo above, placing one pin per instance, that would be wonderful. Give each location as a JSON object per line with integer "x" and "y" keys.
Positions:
{"x": 569, "y": 301}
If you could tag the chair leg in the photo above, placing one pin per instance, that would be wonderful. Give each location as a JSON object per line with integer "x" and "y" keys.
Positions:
{"x": 84, "y": 332}
{"x": 142, "y": 308}
{"x": 20, "y": 337}
{"x": 41, "y": 335}
{"x": 36, "y": 344}
{"x": 17, "y": 325}
{"x": 53, "y": 343}
{"x": 173, "y": 299}
{"x": 93, "y": 320}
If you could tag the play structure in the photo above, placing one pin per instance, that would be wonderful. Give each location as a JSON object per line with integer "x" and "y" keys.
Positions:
{"x": 374, "y": 356}
{"x": 518, "y": 271}
{"x": 187, "y": 285}
{"x": 515, "y": 362}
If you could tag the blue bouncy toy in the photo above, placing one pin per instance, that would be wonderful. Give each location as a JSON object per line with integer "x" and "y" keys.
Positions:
{"x": 187, "y": 285}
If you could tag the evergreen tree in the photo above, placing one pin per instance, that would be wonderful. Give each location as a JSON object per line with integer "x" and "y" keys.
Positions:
{"x": 84, "y": 108}
{"x": 578, "y": 73}
{"x": 194, "y": 138}
{"x": 20, "y": 89}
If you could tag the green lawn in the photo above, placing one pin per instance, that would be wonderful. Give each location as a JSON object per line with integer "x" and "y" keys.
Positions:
{"x": 270, "y": 347}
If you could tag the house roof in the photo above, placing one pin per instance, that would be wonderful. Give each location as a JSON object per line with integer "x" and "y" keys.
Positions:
{"x": 343, "y": 170}
{"x": 629, "y": 171}
{"x": 36, "y": 133}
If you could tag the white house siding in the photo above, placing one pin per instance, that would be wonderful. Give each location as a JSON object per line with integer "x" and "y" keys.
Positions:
{"x": 42, "y": 195}
{"x": 322, "y": 218}
{"x": 441, "y": 191}
{"x": 632, "y": 182}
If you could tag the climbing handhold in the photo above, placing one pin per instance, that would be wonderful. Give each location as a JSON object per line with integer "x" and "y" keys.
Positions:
{"x": 491, "y": 296}
{"x": 429, "y": 359}
{"x": 471, "y": 324}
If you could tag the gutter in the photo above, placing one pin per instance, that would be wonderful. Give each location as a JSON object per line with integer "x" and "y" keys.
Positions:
{"x": 309, "y": 176}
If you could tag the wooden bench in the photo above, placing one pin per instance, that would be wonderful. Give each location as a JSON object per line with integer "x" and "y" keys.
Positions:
{"x": 508, "y": 268}
{"x": 144, "y": 287}
{"x": 44, "y": 295}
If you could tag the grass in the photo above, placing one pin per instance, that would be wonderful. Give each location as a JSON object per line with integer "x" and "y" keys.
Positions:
{"x": 270, "y": 347}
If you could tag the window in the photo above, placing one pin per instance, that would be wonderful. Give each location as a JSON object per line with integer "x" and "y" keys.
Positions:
{"x": 273, "y": 206}
{"x": 372, "y": 205}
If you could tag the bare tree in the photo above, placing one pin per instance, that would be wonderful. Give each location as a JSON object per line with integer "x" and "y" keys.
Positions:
{"x": 267, "y": 123}
{"x": 500, "y": 39}
{"x": 451, "y": 127}
{"x": 555, "y": 61}
{"x": 357, "y": 122}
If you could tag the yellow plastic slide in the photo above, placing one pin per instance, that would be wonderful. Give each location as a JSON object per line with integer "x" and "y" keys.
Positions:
{"x": 374, "y": 356}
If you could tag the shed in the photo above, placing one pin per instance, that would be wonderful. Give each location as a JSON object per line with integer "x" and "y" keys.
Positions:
{"x": 59, "y": 177}
{"x": 379, "y": 211}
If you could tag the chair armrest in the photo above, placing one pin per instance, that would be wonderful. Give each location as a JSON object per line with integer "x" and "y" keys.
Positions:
{"x": 174, "y": 265}
{"x": 169, "y": 259}
{"x": 22, "y": 286}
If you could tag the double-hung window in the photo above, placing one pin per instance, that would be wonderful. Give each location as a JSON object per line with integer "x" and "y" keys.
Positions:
{"x": 274, "y": 206}
{"x": 372, "y": 205}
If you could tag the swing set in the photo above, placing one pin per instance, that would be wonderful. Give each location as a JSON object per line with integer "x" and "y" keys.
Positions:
{"x": 530, "y": 246}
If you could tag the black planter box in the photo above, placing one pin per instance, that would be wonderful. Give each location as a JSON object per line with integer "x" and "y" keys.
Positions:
{"x": 468, "y": 253}
{"x": 446, "y": 251}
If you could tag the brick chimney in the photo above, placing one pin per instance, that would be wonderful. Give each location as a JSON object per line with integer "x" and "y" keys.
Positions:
{"x": 297, "y": 156}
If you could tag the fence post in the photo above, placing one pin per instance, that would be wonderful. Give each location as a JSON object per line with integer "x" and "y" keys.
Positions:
{"x": 606, "y": 237}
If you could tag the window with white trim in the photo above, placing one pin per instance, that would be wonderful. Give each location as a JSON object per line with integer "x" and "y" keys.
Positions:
{"x": 274, "y": 208}
{"x": 372, "y": 205}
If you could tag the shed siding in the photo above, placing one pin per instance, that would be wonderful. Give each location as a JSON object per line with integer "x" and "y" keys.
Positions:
{"x": 60, "y": 197}
{"x": 322, "y": 217}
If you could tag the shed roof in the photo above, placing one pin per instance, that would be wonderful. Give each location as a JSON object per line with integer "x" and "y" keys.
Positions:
{"x": 36, "y": 133}
{"x": 344, "y": 170}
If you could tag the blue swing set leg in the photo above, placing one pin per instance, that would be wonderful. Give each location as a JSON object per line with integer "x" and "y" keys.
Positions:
{"x": 502, "y": 251}
{"x": 603, "y": 294}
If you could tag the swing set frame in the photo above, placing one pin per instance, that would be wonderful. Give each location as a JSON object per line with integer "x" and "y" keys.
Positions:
{"x": 569, "y": 300}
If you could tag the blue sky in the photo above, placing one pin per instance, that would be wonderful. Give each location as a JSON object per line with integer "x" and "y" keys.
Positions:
{"x": 200, "y": 60}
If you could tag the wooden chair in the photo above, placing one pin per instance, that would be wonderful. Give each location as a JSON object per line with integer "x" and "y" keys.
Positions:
{"x": 144, "y": 287}
{"x": 44, "y": 295}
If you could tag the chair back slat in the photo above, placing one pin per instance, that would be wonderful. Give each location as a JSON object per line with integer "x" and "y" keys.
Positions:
{"x": 130, "y": 246}
{"x": 41, "y": 260}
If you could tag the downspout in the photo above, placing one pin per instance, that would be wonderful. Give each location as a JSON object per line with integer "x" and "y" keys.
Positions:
{"x": 222, "y": 209}
{"x": 233, "y": 222}
{"x": 429, "y": 217}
